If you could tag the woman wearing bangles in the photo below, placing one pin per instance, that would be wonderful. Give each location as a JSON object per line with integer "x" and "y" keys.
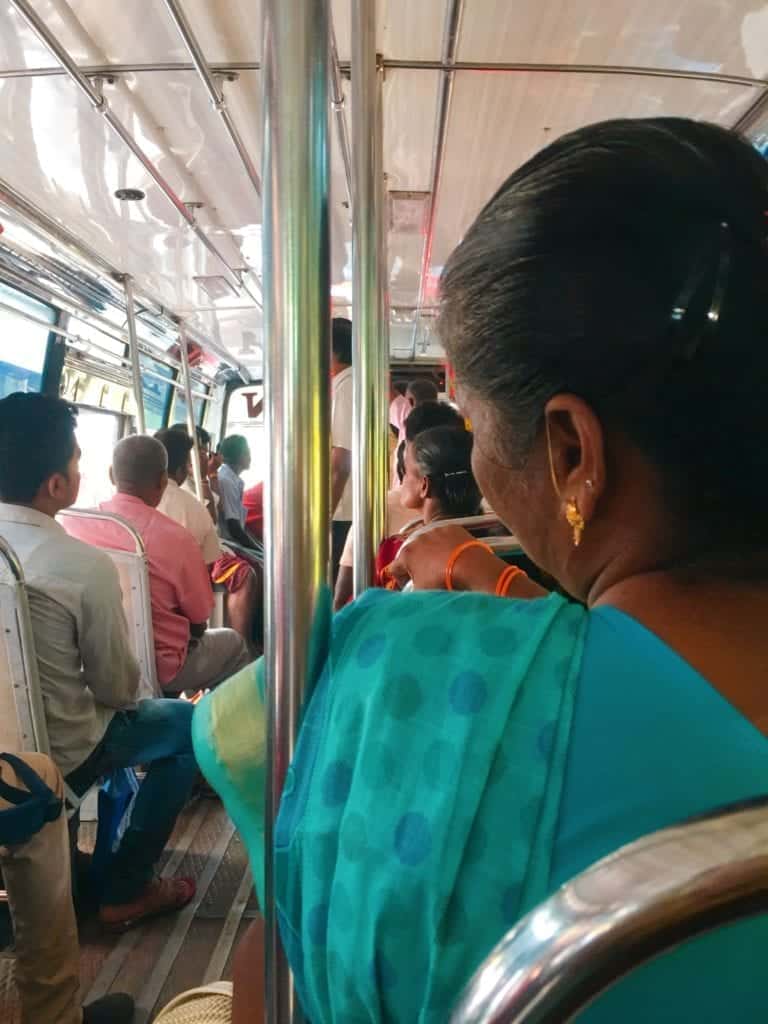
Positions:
{"x": 463, "y": 755}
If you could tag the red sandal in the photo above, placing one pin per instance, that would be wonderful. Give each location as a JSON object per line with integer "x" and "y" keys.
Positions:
{"x": 161, "y": 896}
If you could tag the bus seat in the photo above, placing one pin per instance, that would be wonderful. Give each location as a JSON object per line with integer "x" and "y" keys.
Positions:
{"x": 22, "y": 716}
{"x": 126, "y": 549}
{"x": 630, "y": 907}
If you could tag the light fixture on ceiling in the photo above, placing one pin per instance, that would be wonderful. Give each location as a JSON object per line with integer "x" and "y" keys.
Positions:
{"x": 408, "y": 212}
{"x": 215, "y": 286}
{"x": 129, "y": 195}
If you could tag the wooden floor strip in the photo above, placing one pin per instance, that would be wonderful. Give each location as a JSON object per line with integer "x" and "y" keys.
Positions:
{"x": 121, "y": 951}
{"x": 223, "y": 947}
{"x": 148, "y": 996}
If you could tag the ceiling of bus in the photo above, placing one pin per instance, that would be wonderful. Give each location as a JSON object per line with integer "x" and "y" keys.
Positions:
{"x": 59, "y": 154}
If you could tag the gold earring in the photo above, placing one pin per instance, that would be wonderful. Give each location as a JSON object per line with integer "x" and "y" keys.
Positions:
{"x": 575, "y": 520}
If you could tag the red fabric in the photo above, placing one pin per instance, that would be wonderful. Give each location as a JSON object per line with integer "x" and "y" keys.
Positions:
{"x": 230, "y": 570}
{"x": 387, "y": 553}
{"x": 253, "y": 502}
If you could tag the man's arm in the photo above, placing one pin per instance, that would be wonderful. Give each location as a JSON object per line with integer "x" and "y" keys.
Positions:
{"x": 109, "y": 666}
{"x": 341, "y": 467}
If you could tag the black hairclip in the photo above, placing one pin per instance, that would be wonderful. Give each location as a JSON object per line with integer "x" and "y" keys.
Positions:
{"x": 692, "y": 284}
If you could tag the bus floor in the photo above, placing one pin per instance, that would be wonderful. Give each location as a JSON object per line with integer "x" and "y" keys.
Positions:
{"x": 169, "y": 955}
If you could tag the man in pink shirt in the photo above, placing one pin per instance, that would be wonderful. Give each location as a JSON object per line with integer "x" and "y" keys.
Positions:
{"x": 189, "y": 656}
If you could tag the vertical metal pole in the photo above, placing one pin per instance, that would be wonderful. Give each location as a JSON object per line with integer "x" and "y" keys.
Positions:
{"x": 191, "y": 425}
{"x": 297, "y": 351}
{"x": 367, "y": 499}
{"x": 384, "y": 467}
{"x": 133, "y": 353}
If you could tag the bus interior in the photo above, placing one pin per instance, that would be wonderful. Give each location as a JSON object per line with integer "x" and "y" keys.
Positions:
{"x": 140, "y": 281}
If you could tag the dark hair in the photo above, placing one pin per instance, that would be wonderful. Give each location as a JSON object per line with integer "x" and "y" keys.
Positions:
{"x": 203, "y": 437}
{"x": 341, "y": 340}
{"x": 37, "y": 439}
{"x": 232, "y": 448}
{"x": 178, "y": 445}
{"x": 423, "y": 390}
{"x": 431, "y": 414}
{"x": 626, "y": 263}
{"x": 444, "y": 454}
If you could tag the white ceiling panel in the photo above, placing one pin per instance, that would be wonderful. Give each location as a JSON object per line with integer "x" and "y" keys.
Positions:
{"x": 410, "y": 112}
{"x": 499, "y": 120}
{"x": 405, "y": 29}
{"x": 727, "y": 36}
{"x": 63, "y": 157}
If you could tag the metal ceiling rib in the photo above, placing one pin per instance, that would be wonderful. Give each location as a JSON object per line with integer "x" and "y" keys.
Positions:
{"x": 454, "y": 16}
{"x": 214, "y": 90}
{"x": 393, "y": 64}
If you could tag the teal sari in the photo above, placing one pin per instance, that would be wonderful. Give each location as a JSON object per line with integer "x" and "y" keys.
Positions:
{"x": 419, "y": 815}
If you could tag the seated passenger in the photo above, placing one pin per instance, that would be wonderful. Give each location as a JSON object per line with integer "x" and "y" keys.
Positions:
{"x": 37, "y": 878}
{"x": 88, "y": 675}
{"x": 437, "y": 483}
{"x": 461, "y": 756}
{"x": 425, "y": 416}
{"x": 236, "y": 574}
{"x": 236, "y": 458}
{"x": 207, "y": 472}
{"x": 189, "y": 656}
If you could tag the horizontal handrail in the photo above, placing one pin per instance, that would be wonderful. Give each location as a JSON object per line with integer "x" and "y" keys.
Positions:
{"x": 634, "y": 905}
{"x": 109, "y": 517}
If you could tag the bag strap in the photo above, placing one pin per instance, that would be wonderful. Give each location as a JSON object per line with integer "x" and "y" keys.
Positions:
{"x": 37, "y": 791}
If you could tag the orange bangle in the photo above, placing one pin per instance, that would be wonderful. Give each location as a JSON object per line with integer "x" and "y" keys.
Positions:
{"x": 504, "y": 581}
{"x": 455, "y": 555}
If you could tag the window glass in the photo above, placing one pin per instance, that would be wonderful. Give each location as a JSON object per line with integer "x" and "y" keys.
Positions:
{"x": 179, "y": 409}
{"x": 23, "y": 344}
{"x": 96, "y": 344}
{"x": 155, "y": 391}
{"x": 97, "y": 434}
{"x": 245, "y": 415}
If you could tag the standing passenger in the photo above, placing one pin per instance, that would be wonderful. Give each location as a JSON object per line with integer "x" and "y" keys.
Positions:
{"x": 88, "y": 675}
{"x": 238, "y": 576}
{"x": 341, "y": 438}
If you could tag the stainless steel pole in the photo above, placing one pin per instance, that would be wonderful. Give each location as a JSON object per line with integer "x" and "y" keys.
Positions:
{"x": 133, "y": 354}
{"x": 367, "y": 501}
{"x": 296, "y": 263}
{"x": 191, "y": 425}
{"x": 384, "y": 387}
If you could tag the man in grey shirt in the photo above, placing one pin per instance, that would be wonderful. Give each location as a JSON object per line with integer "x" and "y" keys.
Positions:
{"x": 88, "y": 674}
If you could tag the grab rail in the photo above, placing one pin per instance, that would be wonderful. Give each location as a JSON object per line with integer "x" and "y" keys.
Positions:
{"x": 634, "y": 905}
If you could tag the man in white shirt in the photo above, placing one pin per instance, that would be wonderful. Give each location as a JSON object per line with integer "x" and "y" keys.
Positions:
{"x": 243, "y": 599}
{"x": 341, "y": 438}
{"x": 88, "y": 675}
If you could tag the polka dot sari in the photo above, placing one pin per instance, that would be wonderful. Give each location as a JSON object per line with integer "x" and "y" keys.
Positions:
{"x": 419, "y": 815}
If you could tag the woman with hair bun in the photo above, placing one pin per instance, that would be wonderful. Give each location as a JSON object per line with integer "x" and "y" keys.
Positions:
{"x": 463, "y": 754}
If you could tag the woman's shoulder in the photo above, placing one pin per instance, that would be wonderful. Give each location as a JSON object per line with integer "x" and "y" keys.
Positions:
{"x": 430, "y": 629}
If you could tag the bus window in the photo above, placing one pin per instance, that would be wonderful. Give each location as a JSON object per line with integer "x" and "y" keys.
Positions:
{"x": 245, "y": 415}
{"x": 155, "y": 392}
{"x": 97, "y": 433}
{"x": 179, "y": 409}
{"x": 22, "y": 344}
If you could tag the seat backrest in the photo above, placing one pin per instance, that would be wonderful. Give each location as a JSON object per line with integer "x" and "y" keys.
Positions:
{"x": 22, "y": 715}
{"x": 623, "y": 911}
{"x": 118, "y": 539}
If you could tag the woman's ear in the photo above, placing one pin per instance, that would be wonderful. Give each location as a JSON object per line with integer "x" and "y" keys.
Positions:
{"x": 425, "y": 488}
{"x": 576, "y": 452}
